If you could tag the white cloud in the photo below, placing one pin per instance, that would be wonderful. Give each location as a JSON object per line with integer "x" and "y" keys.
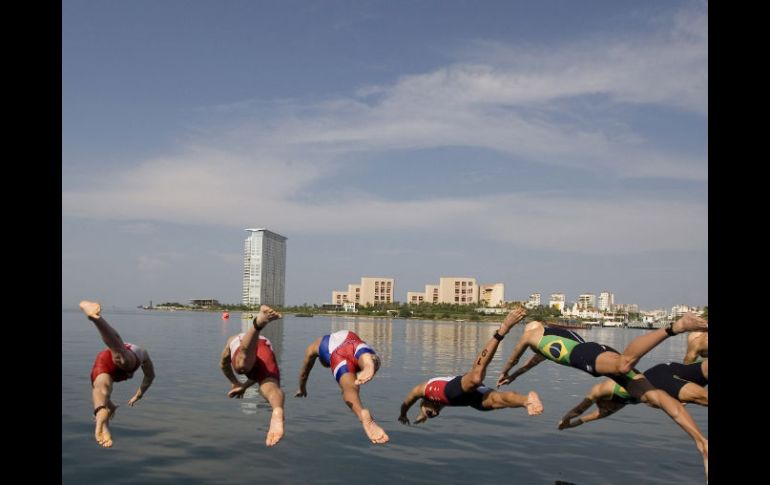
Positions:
{"x": 513, "y": 100}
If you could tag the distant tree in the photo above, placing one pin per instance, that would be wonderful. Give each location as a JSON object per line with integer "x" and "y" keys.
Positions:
{"x": 174, "y": 304}
{"x": 543, "y": 313}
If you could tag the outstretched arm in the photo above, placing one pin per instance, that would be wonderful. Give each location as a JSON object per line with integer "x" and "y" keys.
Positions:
{"x": 599, "y": 394}
{"x": 603, "y": 411}
{"x": 566, "y": 421}
{"x": 416, "y": 393}
{"x": 307, "y": 365}
{"x": 149, "y": 375}
{"x": 532, "y": 362}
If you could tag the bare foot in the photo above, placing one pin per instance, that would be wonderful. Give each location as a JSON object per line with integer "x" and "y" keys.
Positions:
{"x": 91, "y": 308}
{"x": 534, "y": 405}
{"x": 275, "y": 433}
{"x": 690, "y": 322}
{"x": 265, "y": 315}
{"x": 368, "y": 369}
{"x": 102, "y": 433}
{"x": 515, "y": 316}
{"x": 376, "y": 434}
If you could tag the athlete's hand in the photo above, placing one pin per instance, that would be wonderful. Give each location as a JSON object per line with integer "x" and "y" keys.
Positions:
{"x": 403, "y": 419}
{"x": 133, "y": 400}
{"x": 567, "y": 424}
{"x": 504, "y": 379}
{"x": 236, "y": 392}
{"x": 301, "y": 393}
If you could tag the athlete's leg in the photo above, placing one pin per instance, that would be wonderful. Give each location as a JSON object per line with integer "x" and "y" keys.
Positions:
{"x": 642, "y": 344}
{"x": 694, "y": 393}
{"x": 123, "y": 358}
{"x": 679, "y": 414}
{"x": 247, "y": 356}
{"x": 509, "y": 399}
{"x": 271, "y": 391}
{"x": 350, "y": 395}
{"x": 103, "y": 408}
{"x": 369, "y": 364}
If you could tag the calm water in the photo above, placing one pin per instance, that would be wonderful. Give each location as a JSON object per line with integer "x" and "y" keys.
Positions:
{"x": 186, "y": 430}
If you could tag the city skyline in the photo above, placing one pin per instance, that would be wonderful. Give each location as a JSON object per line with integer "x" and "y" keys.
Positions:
{"x": 549, "y": 146}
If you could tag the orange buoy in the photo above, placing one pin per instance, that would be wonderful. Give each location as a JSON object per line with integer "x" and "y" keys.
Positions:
{"x": 225, "y": 316}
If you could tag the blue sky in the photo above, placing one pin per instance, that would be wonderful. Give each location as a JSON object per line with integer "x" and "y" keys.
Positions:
{"x": 553, "y": 146}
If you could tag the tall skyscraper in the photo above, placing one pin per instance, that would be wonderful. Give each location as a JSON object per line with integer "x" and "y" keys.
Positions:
{"x": 264, "y": 268}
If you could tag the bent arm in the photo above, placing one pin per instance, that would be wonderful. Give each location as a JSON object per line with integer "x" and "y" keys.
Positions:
{"x": 416, "y": 393}
{"x": 226, "y": 365}
{"x": 238, "y": 389}
{"x": 149, "y": 375}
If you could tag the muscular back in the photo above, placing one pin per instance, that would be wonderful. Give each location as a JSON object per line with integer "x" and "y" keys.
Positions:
{"x": 697, "y": 346}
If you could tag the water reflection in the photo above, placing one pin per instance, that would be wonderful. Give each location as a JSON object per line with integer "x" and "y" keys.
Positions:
{"x": 442, "y": 348}
{"x": 202, "y": 434}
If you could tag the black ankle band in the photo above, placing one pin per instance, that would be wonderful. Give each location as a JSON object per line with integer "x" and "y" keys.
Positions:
{"x": 498, "y": 337}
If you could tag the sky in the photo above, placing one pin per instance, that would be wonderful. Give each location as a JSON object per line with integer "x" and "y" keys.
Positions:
{"x": 553, "y": 146}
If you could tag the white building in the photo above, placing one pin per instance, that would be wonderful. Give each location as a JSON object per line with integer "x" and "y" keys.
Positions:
{"x": 627, "y": 308}
{"x": 679, "y": 310}
{"x": 587, "y": 300}
{"x": 458, "y": 290}
{"x": 492, "y": 295}
{"x": 557, "y": 301}
{"x": 371, "y": 291}
{"x": 534, "y": 301}
{"x": 606, "y": 301}
{"x": 576, "y": 311}
{"x": 264, "y": 268}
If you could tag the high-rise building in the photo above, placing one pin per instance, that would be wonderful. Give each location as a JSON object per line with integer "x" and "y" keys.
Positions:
{"x": 606, "y": 301}
{"x": 264, "y": 268}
